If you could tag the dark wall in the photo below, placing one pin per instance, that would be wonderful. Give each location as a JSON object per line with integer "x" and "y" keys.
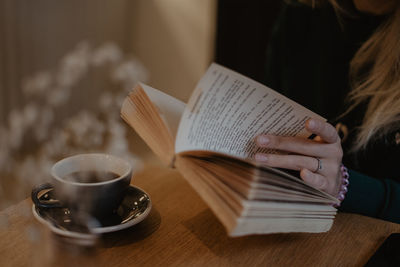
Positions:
{"x": 243, "y": 30}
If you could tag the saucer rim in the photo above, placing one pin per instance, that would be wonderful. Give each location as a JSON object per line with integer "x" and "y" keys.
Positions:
{"x": 96, "y": 230}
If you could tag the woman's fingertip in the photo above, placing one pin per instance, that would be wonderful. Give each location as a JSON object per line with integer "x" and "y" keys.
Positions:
{"x": 311, "y": 124}
{"x": 261, "y": 157}
{"x": 303, "y": 173}
{"x": 262, "y": 140}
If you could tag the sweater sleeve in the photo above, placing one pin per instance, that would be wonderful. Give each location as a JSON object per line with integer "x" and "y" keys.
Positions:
{"x": 373, "y": 197}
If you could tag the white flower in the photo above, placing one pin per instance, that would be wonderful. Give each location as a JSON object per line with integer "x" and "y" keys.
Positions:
{"x": 116, "y": 128}
{"x": 30, "y": 114}
{"x": 97, "y": 140}
{"x": 16, "y": 128}
{"x": 44, "y": 165}
{"x": 56, "y": 136}
{"x": 117, "y": 143}
{"x": 119, "y": 99}
{"x": 42, "y": 127}
{"x": 106, "y": 101}
{"x": 57, "y": 143}
{"x": 87, "y": 129}
{"x": 34, "y": 170}
{"x": 108, "y": 52}
{"x": 73, "y": 66}
{"x": 58, "y": 96}
{"x": 129, "y": 73}
{"x": 28, "y": 172}
{"x": 38, "y": 84}
{"x": 15, "y": 119}
{"x": 117, "y": 146}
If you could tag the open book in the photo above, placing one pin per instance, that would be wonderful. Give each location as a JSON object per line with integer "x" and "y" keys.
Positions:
{"x": 211, "y": 142}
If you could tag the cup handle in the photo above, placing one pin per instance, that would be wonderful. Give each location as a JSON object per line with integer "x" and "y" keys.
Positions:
{"x": 51, "y": 203}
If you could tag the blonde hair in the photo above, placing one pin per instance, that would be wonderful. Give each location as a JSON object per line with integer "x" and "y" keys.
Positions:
{"x": 380, "y": 85}
{"x": 375, "y": 77}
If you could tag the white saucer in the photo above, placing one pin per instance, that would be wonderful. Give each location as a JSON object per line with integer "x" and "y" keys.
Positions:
{"x": 134, "y": 208}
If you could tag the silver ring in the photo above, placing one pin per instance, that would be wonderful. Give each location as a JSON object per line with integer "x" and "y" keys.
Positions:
{"x": 319, "y": 167}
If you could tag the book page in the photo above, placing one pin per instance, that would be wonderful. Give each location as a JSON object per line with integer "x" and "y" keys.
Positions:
{"x": 228, "y": 110}
{"x": 258, "y": 182}
{"x": 143, "y": 115}
{"x": 241, "y": 217}
{"x": 170, "y": 108}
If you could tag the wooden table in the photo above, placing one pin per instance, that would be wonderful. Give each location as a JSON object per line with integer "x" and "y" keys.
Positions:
{"x": 182, "y": 231}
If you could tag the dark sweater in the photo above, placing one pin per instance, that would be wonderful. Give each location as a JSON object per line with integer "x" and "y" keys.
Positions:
{"x": 308, "y": 61}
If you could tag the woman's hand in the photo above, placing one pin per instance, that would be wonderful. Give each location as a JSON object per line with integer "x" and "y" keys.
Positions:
{"x": 318, "y": 160}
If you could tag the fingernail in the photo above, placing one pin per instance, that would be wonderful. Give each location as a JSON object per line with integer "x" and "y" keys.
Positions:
{"x": 311, "y": 124}
{"x": 262, "y": 140}
{"x": 261, "y": 157}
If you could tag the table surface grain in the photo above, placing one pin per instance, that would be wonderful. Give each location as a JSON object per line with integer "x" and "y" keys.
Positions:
{"x": 182, "y": 231}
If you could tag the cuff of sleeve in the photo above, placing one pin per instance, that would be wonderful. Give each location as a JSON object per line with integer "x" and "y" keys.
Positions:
{"x": 365, "y": 195}
{"x": 372, "y": 197}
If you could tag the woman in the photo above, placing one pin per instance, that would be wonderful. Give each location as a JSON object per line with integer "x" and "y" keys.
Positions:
{"x": 343, "y": 62}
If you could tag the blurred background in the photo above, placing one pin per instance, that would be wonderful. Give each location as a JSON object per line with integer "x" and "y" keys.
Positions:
{"x": 66, "y": 65}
